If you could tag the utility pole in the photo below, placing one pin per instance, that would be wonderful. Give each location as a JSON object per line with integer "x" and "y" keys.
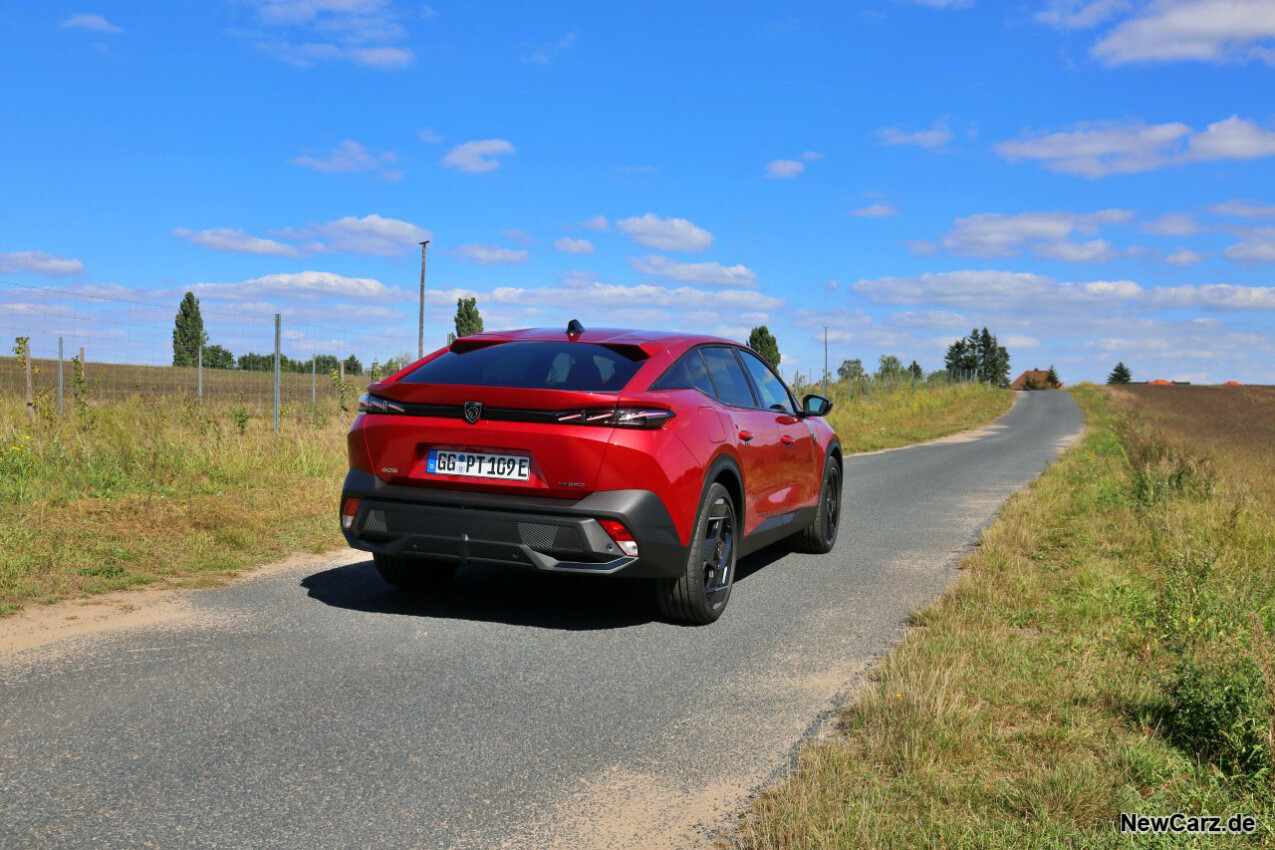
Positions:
{"x": 825, "y": 361}
{"x": 420, "y": 326}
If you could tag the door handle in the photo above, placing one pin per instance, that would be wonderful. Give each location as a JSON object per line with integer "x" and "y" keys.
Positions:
{"x": 786, "y": 440}
{"x": 746, "y": 436}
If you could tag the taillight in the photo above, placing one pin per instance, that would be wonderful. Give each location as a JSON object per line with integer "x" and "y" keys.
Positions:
{"x": 369, "y": 403}
{"x": 620, "y": 535}
{"x": 619, "y": 417}
{"x": 349, "y": 510}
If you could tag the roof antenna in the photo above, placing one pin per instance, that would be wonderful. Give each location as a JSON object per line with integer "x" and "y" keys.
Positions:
{"x": 574, "y": 328}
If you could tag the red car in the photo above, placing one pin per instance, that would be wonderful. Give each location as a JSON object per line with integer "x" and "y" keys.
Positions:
{"x": 663, "y": 456}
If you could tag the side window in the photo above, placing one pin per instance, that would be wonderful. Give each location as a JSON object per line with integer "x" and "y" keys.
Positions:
{"x": 728, "y": 377}
{"x": 688, "y": 373}
{"x": 773, "y": 394}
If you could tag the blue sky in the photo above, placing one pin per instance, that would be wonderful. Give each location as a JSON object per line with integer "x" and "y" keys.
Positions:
{"x": 1091, "y": 179}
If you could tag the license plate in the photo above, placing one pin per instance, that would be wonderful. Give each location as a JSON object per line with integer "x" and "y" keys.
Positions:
{"x": 478, "y": 465}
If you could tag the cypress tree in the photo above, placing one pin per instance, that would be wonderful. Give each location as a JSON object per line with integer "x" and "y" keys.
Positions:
{"x": 468, "y": 319}
{"x": 761, "y": 340}
{"x": 188, "y": 332}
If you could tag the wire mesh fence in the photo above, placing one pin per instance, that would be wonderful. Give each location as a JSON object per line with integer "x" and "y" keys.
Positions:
{"x": 102, "y": 346}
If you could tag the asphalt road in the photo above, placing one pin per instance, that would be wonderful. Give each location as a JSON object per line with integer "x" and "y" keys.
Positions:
{"x": 314, "y": 707}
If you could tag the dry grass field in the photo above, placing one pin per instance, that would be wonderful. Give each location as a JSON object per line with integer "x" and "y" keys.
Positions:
{"x": 1107, "y": 649}
{"x": 119, "y": 381}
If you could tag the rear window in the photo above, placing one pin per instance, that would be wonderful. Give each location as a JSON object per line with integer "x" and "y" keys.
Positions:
{"x": 579, "y": 366}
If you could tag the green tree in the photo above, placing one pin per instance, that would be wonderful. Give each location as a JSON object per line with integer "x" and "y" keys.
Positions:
{"x": 468, "y": 320}
{"x": 761, "y": 340}
{"x": 217, "y": 357}
{"x": 1120, "y": 374}
{"x": 353, "y": 366}
{"x": 851, "y": 370}
{"x": 889, "y": 368}
{"x": 325, "y": 363}
{"x": 1051, "y": 379}
{"x": 188, "y": 332}
{"x": 915, "y": 370}
{"x": 251, "y": 362}
{"x": 961, "y": 359}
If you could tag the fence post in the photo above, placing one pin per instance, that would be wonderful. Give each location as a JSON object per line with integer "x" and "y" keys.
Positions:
{"x": 60, "y": 382}
{"x": 30, "y": 386}
{"x": 83, "y": 372}
{"x": 276, "y": 374}
{"x": 201, "y": 373}
{"x": 314, "y": 381}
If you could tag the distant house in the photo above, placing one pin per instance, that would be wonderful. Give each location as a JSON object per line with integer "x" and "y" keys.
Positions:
{"x": 1033, "y": 379}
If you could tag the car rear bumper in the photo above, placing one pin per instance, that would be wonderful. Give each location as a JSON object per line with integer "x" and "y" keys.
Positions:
{"x": 529, "y": 532}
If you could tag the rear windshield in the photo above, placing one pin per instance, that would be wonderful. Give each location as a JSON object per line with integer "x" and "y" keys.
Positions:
{"x": 579, "y": 366}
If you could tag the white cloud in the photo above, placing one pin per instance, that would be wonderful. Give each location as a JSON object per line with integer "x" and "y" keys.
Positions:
{"x": 429, "y": 136}
{"x": 478, "y": 156}
{"x": 567, "y": 245}
{"x": 665, "y": 234}
{"x": 1215, "y": 296}
{"x": 610, "y": 296}
{"x": 1093, "y": 251}
{"x": 1097, "y": 149}
{"x": 597, "y": 222}
{"x": 1258, "y": 246}
{"x": 944, "y": 4}
{"x": 715, "y": 273}
{"x": 936, "y": 137}
{"x": 372, "y": 234}
{"x": 812, "y": 156}
{"x": 235, "y": 241}
{"x": 350, "y": 157}
{"x": 90, "y": 22}
{"x": 784, "y": 169}
{"x": 306, "y": 32}
{"x": 490, "y": 255}
{"x": 980, "y": 290}
{"x": 543, "y": 54}
{"x": 522, "y": 237}
{"x": 301, "y": 285}
{"x": 1192, "y": 30}
{"x": 875, "y": 211}
{"x": 1080, "y": 14}
{"x": 1243, "y": 209}
{"x": 1233, "y": 138}
{"x": 997, "y": 235}
{"x": 39, "y": 262}
{"x": 1172, "y": 224}
{"x": 1184, "y": 257}
{"x": 1100, "y": 149}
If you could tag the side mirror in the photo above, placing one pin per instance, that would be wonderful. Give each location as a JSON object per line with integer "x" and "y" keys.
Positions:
{"x": 815, "y": 405}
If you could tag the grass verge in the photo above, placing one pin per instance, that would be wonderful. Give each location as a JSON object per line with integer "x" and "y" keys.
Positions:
{"x": 886, "y": 420}
{"x": 160, "y": 490}
{"x": 1107, "y": 649}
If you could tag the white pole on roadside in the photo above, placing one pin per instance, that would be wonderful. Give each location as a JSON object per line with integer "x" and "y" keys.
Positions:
{"x": 201, "y": 373}
{"x": 276, "y": 373}
{"x": 60, "y": 376}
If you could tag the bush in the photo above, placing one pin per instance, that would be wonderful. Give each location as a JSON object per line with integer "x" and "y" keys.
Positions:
{"x": 1217, "y": 710}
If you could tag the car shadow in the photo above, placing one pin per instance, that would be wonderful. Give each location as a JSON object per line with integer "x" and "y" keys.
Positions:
{"x": 514, "y": 597}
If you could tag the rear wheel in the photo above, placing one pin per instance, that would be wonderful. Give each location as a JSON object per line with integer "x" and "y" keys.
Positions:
{"x": 701, "y": 594}
{"x": 419, "y": 575}
{"x": 821, "y": 535}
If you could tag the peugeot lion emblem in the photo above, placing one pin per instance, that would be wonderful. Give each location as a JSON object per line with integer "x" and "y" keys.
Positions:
{"x": 473, "y": 410}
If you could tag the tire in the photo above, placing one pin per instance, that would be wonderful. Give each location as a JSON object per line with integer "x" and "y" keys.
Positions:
{"x": 417, "y": 575}
{"x": 821, "y": 535}
{"x": 700, "y": 595}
